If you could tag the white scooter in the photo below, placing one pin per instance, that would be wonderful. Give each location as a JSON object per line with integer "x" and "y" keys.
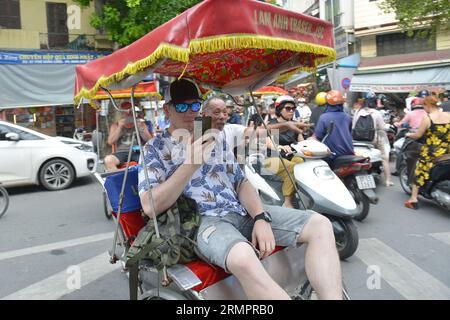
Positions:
{"x": 319, "y": 187}
{"x": 368, "y": 150}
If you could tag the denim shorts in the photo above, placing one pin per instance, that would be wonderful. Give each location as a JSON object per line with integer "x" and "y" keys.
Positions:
{"x": 216, "y": 236}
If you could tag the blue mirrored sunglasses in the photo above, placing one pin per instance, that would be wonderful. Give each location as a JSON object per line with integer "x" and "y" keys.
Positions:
{"x": 183, "y": 107}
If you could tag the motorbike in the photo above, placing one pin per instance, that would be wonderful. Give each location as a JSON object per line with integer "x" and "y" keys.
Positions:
{"x": 368, "y": 150}
{"x": 319, "y": 190}
{"x": 4, "y": 200}
{"x": 399, "y": 148}
{"x": 353, "y": 171}
{"x": 437, "y": 188}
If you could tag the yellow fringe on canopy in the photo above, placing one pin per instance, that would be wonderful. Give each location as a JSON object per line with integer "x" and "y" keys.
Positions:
{"x": 251, "y": 41}
{"x": 214, "y": 44}
{"x": 163, "y": 51}
{"x": 123, "y": 96}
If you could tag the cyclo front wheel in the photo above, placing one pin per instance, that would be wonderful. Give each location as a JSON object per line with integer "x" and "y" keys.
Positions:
{"x": 4, "y": 201}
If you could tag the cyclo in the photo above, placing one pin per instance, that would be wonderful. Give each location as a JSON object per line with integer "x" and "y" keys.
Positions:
{"x": 234, "y": 59}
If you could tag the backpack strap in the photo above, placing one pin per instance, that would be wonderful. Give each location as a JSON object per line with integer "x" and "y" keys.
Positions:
{"x": 133, "y": 281}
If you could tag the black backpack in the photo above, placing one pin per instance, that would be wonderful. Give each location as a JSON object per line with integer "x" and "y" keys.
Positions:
{"x": 364, "y": 129}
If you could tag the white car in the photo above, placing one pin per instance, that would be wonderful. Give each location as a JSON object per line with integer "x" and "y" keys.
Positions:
{"x": 30, "y": 157}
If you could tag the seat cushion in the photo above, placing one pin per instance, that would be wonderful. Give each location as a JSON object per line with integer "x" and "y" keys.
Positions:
{"x": 210, "y": 274}
{"x": 344, "y": 161}
{"x": 131, "y": 222}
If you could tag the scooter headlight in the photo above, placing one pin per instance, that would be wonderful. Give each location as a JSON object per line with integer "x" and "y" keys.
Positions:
{"x": 324, "y": 173}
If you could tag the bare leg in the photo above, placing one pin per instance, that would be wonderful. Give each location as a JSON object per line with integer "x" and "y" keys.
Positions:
{"x": 387, "y": 173}
{"x": 111, "y": 162}
{"x": 414, "y": 193}
{"x": 288, "y": 202}
{"x": 254, "y": 279}
{"x": 322, "y": 260}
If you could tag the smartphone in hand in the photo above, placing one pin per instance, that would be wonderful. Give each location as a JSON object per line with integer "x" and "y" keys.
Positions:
{"x": 201, "y": 125}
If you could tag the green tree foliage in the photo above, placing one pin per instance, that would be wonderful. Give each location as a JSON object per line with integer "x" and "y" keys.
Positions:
{"x": 413, "y": 14}
{"x": 127, "y": 20}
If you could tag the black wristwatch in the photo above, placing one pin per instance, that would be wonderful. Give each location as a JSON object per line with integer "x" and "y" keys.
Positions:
{"x": 264, "y": 215}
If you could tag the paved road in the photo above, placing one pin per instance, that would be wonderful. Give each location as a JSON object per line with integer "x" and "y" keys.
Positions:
{"x": 49, "y": 237}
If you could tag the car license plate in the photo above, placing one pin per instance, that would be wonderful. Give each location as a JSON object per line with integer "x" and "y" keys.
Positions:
{"x": 365, "y": 181}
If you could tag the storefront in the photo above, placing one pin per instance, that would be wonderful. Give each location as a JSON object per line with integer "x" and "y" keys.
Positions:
{"x": 36, "y": 91}
{"x": 403, "y": 73}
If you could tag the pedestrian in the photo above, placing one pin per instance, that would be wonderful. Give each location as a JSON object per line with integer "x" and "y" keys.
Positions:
{"x": 380, "y": 139}
{"x": 233, "y": 116}
{"x": 445, "y": 103}
{"x": 120, "y": 138}
{"x": 255, "y": 119}
{"x": 435, "y": 130}
{"x": 271, "y": 114}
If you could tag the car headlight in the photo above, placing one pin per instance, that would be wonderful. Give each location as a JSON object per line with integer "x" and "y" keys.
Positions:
{"x": 85, "y": 147}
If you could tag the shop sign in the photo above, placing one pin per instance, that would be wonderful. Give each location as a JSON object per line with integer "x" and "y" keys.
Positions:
{"x": 341, "y": 43}
{"x": 38, "y": 57}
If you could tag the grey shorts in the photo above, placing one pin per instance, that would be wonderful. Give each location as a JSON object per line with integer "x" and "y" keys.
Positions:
{"x": 216, "y": 236}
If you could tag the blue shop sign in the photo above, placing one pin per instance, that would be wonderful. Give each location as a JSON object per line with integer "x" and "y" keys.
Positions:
{"x": 39, "y": 57}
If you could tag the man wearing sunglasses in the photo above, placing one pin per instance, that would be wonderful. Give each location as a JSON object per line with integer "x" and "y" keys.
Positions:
{"x": 236, "y": 231}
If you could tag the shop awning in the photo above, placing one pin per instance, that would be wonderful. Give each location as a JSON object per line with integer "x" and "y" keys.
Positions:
{"x": 36, "y": 85}
{"x": 403, "y": 73}
{"x": 402, "y": 81}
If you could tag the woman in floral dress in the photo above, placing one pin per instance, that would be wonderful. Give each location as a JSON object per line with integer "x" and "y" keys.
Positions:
{"x": 436, "y": 131}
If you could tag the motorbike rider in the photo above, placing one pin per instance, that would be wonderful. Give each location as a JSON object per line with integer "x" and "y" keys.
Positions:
{"x": 236, "y": 231}
{"x": 285, "y": 108}
{"x": 319, "y": 109}
{"x": 435, "y": 128}
{"x": 414, "y": 118}
{"x": 411, "y": 150}
{"x": 339, "y": 139}
{"x": 120, "y": 138}
{"x": 380, "y": 141}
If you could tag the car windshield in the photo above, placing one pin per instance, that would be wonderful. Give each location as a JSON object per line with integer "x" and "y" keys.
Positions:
{"x": 24, "y": 135}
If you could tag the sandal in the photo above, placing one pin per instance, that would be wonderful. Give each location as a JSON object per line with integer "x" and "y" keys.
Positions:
{"x": 412, "y": 205}
{"x": 389, "y": 184}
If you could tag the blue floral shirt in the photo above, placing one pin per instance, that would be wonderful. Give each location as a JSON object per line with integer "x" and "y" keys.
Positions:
{"x": 213, "y": 186}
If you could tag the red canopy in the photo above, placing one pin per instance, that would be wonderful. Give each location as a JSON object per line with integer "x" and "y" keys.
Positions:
{"x": 271, "y": 90}
{"x": 143, "y": 89}
{"x": 232, "y": 45}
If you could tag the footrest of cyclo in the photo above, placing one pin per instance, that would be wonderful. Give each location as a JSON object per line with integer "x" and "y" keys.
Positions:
{"x": 200, "y": 280}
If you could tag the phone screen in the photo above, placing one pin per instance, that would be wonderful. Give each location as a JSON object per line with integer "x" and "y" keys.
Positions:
{"x": 201, "y": 125}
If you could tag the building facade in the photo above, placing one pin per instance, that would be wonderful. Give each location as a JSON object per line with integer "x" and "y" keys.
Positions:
{"x": 393, "y": 62}
{"x": 41, "y": 42}
{"x": 45, "y": 25}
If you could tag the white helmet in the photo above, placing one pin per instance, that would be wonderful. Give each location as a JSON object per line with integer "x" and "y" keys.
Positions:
{"x": 283, "y": 100}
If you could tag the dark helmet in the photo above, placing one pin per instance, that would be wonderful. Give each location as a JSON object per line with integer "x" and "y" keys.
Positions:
{"x": 423, "y": 94}
{"x": 383, "y": 98}
{"x": 445, "y": 94}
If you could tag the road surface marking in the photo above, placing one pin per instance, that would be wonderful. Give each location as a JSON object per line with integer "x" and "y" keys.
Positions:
{"x": 408, "y": 279}
{"x": 56, "y": 286}
{"x": 444, "y": 237}
{"x": 55, "y": 245}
